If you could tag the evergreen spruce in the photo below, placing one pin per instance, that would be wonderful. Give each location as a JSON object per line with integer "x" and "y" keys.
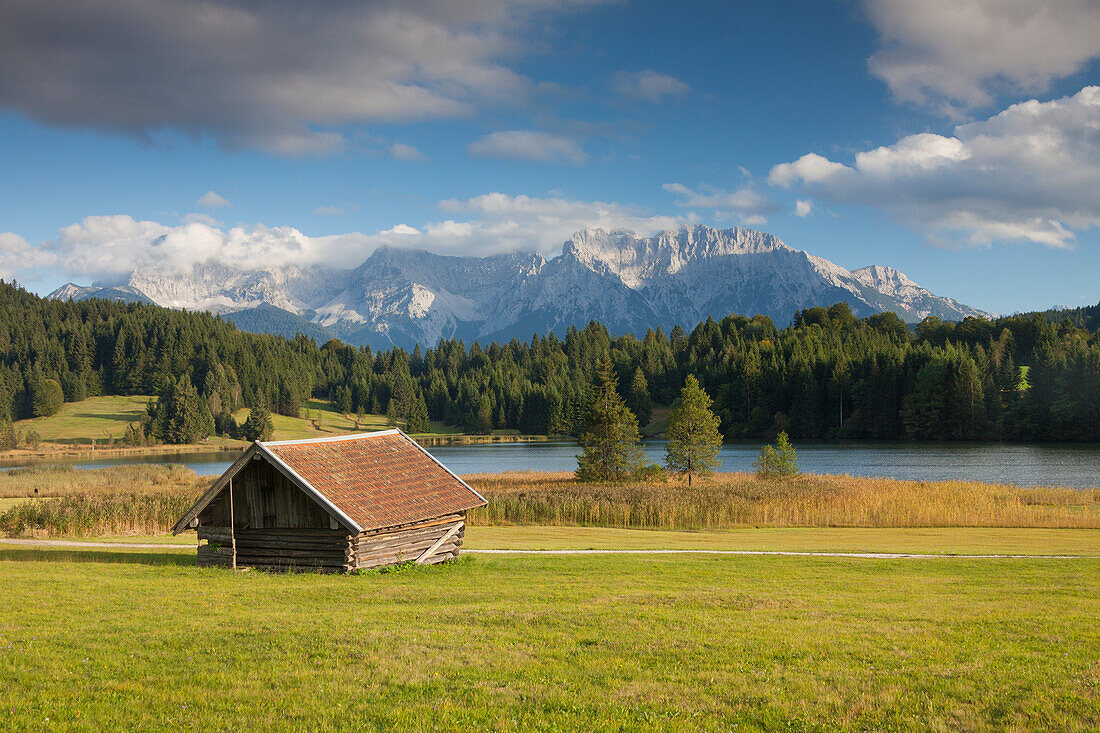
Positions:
{"x": 47, "y": 397}
{"x": 693, "y": 437}
{"x": 418, "y": 416}
{"x": 610, "y": 439}
{"x": 640, "y": 403}
{"x": 259, "y": 425}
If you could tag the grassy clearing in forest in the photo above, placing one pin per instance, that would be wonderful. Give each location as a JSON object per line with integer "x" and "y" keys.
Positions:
{"x": 727, "y": 500}
{"x": 550, "y": 643}
{"x": 78, "y": 423}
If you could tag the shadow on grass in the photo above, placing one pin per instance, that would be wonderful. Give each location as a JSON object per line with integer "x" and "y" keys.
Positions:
{"x": 35, "y": 554}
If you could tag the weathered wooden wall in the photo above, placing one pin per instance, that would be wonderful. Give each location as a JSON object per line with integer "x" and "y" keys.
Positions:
{"x": 263, "y": 497}
{"x": 377, "y": 548}
{"x": 324, "y": 550}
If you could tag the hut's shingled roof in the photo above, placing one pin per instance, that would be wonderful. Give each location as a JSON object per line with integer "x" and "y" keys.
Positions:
{"x": 377, "y": 480}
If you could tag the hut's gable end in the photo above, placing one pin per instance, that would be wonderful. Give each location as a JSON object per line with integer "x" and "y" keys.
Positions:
{"x": 264, "y": 498}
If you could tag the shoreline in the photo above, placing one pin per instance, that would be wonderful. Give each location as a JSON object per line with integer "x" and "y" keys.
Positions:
{"x": 62, "y": 452}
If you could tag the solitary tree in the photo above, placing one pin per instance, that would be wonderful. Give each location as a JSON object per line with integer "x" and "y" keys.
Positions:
{"x": 779, "y": 460}
{"x": 693, "y": 437}
{"x": 610, "y": 439}
{"x": 258, "y": 426}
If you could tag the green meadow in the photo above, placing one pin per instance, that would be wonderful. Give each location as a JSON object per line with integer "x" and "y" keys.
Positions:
{"x": 143, "y": 640}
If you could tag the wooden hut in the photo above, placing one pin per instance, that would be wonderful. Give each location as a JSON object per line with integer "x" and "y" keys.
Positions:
{"x": 332, "y": 504}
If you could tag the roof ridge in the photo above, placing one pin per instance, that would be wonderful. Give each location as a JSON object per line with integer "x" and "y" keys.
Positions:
{"x": 331, "y": 438}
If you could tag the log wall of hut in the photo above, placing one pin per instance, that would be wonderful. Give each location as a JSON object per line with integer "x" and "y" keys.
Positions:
{"x": 392, "y": 545}
{"x": 277, "y": 526}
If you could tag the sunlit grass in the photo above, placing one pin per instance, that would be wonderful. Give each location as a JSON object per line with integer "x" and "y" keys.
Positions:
{"x": 117, "y": 640}
{"x": 99, "y": 418}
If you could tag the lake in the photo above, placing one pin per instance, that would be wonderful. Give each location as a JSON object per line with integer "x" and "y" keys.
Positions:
{"x": 1026, "y": 465}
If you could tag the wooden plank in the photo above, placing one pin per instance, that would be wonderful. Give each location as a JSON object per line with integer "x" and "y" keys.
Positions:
{"x": 431, "y": 550}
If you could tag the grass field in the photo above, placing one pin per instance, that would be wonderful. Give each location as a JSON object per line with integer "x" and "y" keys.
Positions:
{"x": 101, "y": 418}
{"x": 922, "y": 540}
{"x": 550, "y": 643}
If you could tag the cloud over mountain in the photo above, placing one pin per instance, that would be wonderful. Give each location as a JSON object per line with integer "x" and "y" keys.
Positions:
{"x": 107, "y": 247}
{"x": 1030, "y": 173}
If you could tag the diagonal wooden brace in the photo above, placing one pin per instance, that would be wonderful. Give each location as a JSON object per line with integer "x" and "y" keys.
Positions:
{"x": 439, "y": 543}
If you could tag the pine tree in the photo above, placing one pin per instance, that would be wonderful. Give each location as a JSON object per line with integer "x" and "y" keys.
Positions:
{"x": 483, "y": 415}
{"x": 418, "y": 416}
{"x": 610, "y": 438}
{"x": 640, "y": 403}
{"x": 258, "y": 426}
{"x": 693, "y": 437}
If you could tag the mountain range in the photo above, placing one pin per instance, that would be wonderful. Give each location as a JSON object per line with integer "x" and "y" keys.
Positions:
{"x": 626, "y": 281}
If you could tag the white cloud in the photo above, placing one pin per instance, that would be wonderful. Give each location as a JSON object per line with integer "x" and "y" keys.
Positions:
{"x": 803, "y": 208}
{"x": 211, "y": 200}
{"x": 283, "y": 77}
{"x": 504, "y": 223}
{"x": 108, "y": 248}
{"x": 810, "y": 168}
{"x": 745, "y": 204}
{"x": 1030, "y": 173}
{"x": 402, "y": 229}
{"x": 958, "y": 55}
{"x": 401, "y": 151}
{"x": 545, "y": 147}
{"x": 649, "y": 85}
{"x": 15, "y": 254}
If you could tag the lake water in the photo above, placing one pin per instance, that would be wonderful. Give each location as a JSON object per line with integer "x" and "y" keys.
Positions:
{"x": 1026, "y": 465}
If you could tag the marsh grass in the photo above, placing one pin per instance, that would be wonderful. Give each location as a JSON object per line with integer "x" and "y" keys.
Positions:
{"x": 124, "y": 500}
{"x": 63, "y": 480}
{"x": 148, "y": 499}
{"x": 730, "y": 500}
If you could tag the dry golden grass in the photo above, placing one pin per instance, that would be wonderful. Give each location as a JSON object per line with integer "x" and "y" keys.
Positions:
{"x": 730, "y": 500}
{"x": 148, "y": 499}
{"x": 62, "y": 480}
{"x": 63, "y": 501}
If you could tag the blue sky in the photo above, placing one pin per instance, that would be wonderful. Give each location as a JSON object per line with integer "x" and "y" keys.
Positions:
{"x": 961, "y": 146}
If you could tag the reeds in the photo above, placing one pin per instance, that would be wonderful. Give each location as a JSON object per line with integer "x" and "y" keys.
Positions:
{"x": 64, "y": 480}
{"x": 741, "y": 500}
{"x": 89, "y": 515}
{"x": 137, "y": 499}
{"x": 149, "y": 499}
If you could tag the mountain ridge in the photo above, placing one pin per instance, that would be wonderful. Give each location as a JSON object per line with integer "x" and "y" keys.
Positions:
{"x": 625, "y": 280}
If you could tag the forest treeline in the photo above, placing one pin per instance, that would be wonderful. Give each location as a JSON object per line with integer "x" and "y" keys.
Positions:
{"x": 827, "y": 375}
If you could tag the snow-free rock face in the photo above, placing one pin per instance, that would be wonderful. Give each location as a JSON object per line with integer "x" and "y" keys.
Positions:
{"x": 917, "y": 301}
{"x": 619, "y": 278}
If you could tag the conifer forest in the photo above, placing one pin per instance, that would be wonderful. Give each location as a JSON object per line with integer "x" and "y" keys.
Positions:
{"x": 826, "y": 375}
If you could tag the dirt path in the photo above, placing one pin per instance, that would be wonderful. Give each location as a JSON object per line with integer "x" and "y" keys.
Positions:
{"x": 777, "y": 553}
